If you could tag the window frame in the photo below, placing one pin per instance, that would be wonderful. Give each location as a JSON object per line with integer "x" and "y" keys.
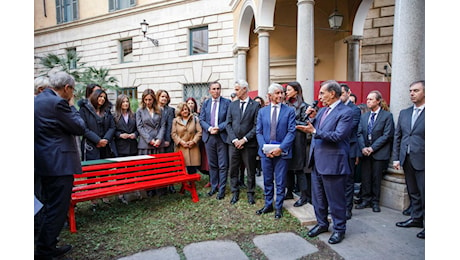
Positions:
{"x": 61, "y": 13}
{"x": 115, "y": 5}
{"x": 191, "y": 40}
{"x": 122, "y": 50}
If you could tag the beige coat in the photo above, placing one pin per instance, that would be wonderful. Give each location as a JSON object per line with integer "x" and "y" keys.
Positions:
{"x": 192, "y": 131}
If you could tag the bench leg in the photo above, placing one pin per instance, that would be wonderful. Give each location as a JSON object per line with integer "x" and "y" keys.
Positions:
{"x": 72, "y": 222}
{"x": 191, "y": 187}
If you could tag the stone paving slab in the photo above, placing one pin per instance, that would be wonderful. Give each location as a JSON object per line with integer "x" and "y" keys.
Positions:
{"x": 284, "y": 246}
{"x": 373, "y": 235}
{"x": 211, "y": 250}
{"x": 164, "y": 253}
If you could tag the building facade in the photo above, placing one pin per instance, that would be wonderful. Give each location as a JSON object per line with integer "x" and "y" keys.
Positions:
{"x": 262, "y": 41}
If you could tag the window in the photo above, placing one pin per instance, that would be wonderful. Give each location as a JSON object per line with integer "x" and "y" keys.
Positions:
{"x": 196, "y": 91}
{"x": 66, "y": 10}
{"x": 115, "y": 5}
{"x": 72, "y": 58}
{"x": 130, "y": 92}
{"x": 199, "y": 40}
{"x": 126, "y": 49}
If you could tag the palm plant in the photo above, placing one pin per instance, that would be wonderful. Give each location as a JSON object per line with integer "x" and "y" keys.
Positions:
{"x": 83, "y": 75}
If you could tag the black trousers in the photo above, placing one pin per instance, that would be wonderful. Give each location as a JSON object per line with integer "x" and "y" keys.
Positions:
{"x": 55, "y": 196}
{"x": 415, "y": 181}
{"x": 371, "y": 179}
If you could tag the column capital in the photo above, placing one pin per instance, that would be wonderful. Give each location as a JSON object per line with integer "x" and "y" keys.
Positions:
{"x": 299, "y": 2}
{"x": 237, "y": 49}
{"x": 353, "y": 38}
{"x": 263, "y": 30}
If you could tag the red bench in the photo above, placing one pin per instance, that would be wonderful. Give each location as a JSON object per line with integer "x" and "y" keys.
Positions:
{"x": 108, "y": 177}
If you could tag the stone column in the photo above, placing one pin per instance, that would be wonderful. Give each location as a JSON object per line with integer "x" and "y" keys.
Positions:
{"x": 408, "y": 60}
{"x": 264, "y": 61}
{"x": 353, "y": 61}
{"x": 242, "y": 72}
{"x": 408, "y": 65}
{"x": 305, "y": 62}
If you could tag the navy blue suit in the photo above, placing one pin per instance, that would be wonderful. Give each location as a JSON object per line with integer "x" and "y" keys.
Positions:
{"x": 329, "y": 159}
{"x": 216, "y": 145}
{"x": 56, "y": 160}
{"x": 275, "y": 169}
{"x": 354, "y": 152}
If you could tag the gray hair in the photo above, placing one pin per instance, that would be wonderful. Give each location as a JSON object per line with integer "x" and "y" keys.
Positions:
{"x": 273, "y": 87}
{"x": 60, "y": 79}
{"x": 41, "y": 82}
{"x": 242, "y": 83}
{"x": 332, "y": 85}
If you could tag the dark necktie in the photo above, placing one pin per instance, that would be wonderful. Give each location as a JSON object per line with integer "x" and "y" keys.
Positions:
{"x": 370, "y": 126}
{"x": 213, "y": 113}
{"x": 273, "y": 125}
{"x": 242, "y": 106}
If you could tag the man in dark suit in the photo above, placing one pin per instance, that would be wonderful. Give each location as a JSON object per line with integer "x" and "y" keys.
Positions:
{"x": 56, "y": 158}
{"x": 354, "y": 148}
{"x": 375, "y": 138}
{"x": 241, "y": 130}
{"x": 409, "y": 151}
{"x": 275, "y": 125}
{"x": 330, "y": 160}
{"x": 213, "y": 120}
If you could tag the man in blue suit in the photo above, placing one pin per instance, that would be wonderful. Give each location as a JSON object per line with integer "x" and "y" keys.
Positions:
{"x": 56, "y": 157}
{"x": 409, "y": 152}
{"x": 329, "y": 159}
{"x": 213, "y": 120}
{"x": 275, "y": 125}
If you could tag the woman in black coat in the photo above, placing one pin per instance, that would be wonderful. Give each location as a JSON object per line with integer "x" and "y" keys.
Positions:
{"x": 125, "y": 127}
{"x": 97, "y": 142}
{"x": 296, "y": 172}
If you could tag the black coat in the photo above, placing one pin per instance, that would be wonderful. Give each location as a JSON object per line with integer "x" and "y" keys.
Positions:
{"x": 126, "y": 147}
{"x": 299, "y": 151}
{"x": 97, "y": 128}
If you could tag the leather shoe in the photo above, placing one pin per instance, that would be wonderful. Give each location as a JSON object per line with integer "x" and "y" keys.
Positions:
{"x": 316, "y": 230}
{"x": 362, "y": 205}
{"x": 300, "y": 202}
{"x": 251, "y": 199}
{"x": 336, "y": 237}
{"x": 375, "y": 208}
{"x": 220, "y": 196}
{"x": 348, "y": 214}
{"x": 264, "y": 210}
{"x": 235, "y": 198}
{"x": 421, "y": 234}
{"x": 278, "y": 213}
{"x": 410, "y": 223}
{"x": 212, "y": 192}
{"x": 407, "y": 211}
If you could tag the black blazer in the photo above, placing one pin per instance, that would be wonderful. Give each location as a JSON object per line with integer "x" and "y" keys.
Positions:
{"x": 55, "y": 126}
{"x": 382, "y": 134}
{"x": 126, "y": 146}
{"x": 242, "y": 125}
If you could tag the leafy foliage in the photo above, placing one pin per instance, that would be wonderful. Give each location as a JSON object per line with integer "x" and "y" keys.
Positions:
{"x": 83, "y": 75}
